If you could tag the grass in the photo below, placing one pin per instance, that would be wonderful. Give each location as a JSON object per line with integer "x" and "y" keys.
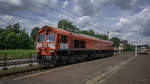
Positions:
{"x": 16, "y": 54}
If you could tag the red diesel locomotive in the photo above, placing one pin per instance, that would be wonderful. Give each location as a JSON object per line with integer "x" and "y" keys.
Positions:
{"x": 57, "y": 46}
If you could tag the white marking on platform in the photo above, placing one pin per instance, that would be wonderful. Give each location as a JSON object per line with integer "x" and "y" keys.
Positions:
{"x": 108, "y": 73}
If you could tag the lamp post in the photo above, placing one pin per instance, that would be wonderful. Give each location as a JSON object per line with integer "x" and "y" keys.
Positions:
{"x": 136, "y": 50}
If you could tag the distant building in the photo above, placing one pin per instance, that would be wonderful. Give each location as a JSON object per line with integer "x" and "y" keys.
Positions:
{"x": 124, "y": 41}
{"x": 121, "y": 45}
{"x": 142, "y": 48}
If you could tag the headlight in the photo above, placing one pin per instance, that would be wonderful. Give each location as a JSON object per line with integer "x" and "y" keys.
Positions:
{"x": 51, "y": 45}
{"x": 39, "y": 44}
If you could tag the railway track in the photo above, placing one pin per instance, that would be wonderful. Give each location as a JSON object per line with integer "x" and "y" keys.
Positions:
{"x": 16, "y": 62}
{"x": 12, "y": 67}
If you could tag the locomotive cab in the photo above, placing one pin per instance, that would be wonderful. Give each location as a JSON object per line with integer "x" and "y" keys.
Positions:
{"x": 46, "y": 43}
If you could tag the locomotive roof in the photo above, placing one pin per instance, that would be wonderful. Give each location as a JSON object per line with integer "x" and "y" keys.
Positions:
{"x": 64, "y": 32}
{"x": 90, "y": 37}
{"x": 54, "y": 29}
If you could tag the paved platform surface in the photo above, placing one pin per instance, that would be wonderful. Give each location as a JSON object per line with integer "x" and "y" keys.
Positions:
{"x": 135, "y": 72}
{"x": 89, "y": 72}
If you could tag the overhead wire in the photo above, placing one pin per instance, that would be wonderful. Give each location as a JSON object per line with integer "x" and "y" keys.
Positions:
{"x": 59, "y": 11}
{"x": 73, "y": 17}
{"x": 28, "y": 18}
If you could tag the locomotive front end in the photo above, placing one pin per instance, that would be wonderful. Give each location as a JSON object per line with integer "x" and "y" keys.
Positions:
{"x": 45, "y": 46}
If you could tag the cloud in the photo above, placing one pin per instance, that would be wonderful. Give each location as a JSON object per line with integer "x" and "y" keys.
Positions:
{"x": 139, "y": 22}
{"x": 8, "y": 20}
{"x": 5, "y": 20}
{"x": 6, "y": 17}
{"x": 142, "y": 20}
{"x": 85, "y": 19}
{"x": 135, "y": 26}
{"x": 26, "y": 24}
{"x": 95, "y": 7}
{"x": 34, "y": 5}
{"x": 126, "y": 4}
{"x": 13, "y": 2}
{"x": 27, "y": 8}
{"x": 89, "y": 7}
{"x": 65, "y": 3}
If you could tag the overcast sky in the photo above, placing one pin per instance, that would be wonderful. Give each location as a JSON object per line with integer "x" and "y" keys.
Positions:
{"x": 126, "y": 19}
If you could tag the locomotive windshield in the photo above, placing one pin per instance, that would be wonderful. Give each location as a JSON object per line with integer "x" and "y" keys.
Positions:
{"x": 40, "y": 38}
{"x": 50, "y": 37}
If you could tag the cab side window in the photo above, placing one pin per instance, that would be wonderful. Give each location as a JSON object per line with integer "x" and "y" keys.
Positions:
{"x": 82, "y": 44}
{"x": 76, "y": 43}
{"x": 63, "y": 39}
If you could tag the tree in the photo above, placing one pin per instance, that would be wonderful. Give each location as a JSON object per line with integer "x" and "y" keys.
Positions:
{"x": 2, "y": 38}
{"x": 16, "y": 28}
{"x": 129, "y": 47}
{"x": 1, "y": 30}
{"x": 104, "y": 37}
{"x": 116, "y": 41}
{"x": 33, "y": 33}
{"x": 92, "y": 33}
{"x": 67, "y": 25}
{"x": 13, "y": 37}
{"x": 11, "y": 40}
{"x": 24, "y": 41}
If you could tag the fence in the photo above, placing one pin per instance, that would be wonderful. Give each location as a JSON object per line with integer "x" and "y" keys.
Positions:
{"x": 118, "y": 52}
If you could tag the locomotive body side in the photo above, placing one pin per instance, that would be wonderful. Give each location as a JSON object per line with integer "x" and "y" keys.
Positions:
{"x": 59, "y": 46}
{"x": 95, "y": 43}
